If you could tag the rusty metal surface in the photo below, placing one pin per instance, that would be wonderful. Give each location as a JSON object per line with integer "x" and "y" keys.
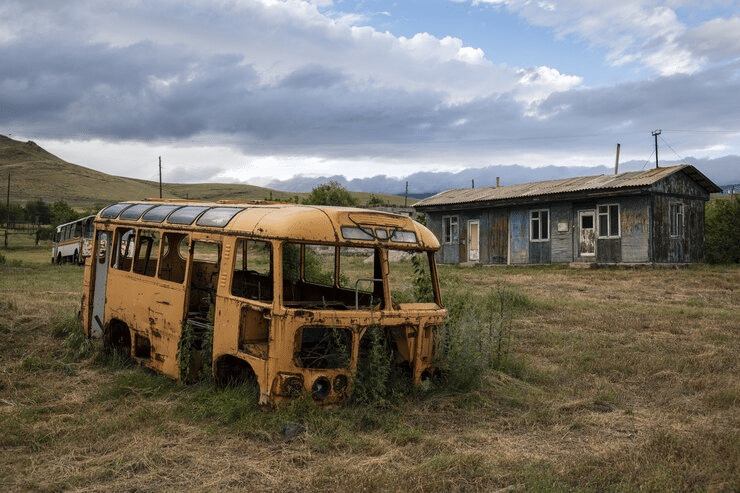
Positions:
{"x": 236, "y": 280}
{"x": 618, "y": 182}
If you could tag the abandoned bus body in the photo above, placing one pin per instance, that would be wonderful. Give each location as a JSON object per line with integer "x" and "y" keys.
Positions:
{"x": 72, "y": 241}
{"x": 291, "y": 296}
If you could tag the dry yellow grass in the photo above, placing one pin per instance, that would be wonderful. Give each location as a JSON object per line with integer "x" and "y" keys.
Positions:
{"x": 626, "y": 380}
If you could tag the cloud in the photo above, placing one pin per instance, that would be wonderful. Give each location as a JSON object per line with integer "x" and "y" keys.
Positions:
{"x": 637, "y": 31}
{"x": 302, "y": 83}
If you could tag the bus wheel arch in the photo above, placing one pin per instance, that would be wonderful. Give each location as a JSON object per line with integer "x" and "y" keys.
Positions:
{"x": 228, "y": 370}
{"x": 117, "y": 337}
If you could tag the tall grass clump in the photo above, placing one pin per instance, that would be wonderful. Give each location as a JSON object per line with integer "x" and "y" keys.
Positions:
{"x": 478, "y": 335}
{"x": 67, "y": 326}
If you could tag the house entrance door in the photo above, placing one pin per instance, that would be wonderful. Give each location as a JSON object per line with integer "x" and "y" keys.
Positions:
{"x": 473, "y": 241}
{"x": 587, "y": 234}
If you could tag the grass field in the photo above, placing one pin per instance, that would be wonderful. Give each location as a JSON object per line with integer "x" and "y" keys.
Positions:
{"x": 620, "y": 380}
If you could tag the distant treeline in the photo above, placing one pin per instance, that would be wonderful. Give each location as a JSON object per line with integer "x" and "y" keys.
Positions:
{"x": 37, "y": 214}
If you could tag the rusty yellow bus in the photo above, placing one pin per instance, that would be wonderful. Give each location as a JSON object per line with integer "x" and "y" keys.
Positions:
{"x": 285, "y": 295}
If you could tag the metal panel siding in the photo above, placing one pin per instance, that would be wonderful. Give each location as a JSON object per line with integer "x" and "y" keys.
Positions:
{"x": 519, "y": 224}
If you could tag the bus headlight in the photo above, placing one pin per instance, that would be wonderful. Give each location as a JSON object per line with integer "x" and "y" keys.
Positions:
{"x": 340, "y": 384}
{"x": 291, "y": 386}
{"x": 321, "y": 388}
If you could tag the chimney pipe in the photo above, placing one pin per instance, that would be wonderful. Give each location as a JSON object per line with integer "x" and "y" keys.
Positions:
{"x": 616, "y": 163}
{"x": 498, "y": 181}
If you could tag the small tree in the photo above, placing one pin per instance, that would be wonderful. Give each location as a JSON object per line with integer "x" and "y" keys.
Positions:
{"x": 331, "y": 193}
{"x": 38, "y": 212}
{"x": 722, "y": 237}
{"x": 62, "y": 212}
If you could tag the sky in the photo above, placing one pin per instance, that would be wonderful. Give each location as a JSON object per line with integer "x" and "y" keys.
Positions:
{"x": 259, "y": 90}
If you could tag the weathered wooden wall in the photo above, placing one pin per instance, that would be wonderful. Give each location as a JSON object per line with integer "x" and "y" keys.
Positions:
{"x": 644, "y": 228}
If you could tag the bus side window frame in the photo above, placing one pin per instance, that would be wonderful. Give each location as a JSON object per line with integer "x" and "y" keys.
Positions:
{"x": 124, "y": 252}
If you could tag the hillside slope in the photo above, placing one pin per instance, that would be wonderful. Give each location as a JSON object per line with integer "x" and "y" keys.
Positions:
{"x": 37, "y": 174}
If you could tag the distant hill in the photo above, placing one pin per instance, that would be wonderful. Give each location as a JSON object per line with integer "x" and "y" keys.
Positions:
{"x": 36, "y": 174}
{"x": 423, "y": 184}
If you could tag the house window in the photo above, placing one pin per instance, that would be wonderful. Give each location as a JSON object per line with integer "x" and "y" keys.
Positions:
{"x": 609, "y": 221}
{"x": 450, "y": 229}
{"x": 539, "y": 225}
{"x": 676, "y": 220}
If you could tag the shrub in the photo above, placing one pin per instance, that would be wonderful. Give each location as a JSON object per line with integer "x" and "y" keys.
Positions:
{"x": 722, "y": 235}
{"x": 478, "y": 335}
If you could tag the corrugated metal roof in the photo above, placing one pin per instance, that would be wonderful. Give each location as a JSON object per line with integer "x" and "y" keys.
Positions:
{"x": 568, "y": 185}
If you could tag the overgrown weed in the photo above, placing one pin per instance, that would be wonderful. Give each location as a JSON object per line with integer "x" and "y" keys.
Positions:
{"x": 478, "y": 337}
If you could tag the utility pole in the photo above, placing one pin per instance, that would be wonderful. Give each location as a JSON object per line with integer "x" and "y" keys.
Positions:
{"x": 406, "y": 199}
{"x": 7, "y": 208}
{"x": 655, "y": 134}
{"x": 160, "y": 177}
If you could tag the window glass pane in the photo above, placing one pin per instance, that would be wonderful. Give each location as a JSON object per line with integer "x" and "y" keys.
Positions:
{"x": 603, "y": 225}
{"x": 186, "y": 215}
{"x": 355, "y": 233}
{"x": 218, "y": 217}
{"x": 544, "y": 225}
{"x": 135, "y": 211}
{"x": 401, "y": 236}
{"x": 113, "y": 211}
{"x": 158, "y": 214}
{"x": 614, "y": 220}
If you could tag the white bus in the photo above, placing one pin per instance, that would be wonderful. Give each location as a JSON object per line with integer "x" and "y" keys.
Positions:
{"x": 72, "y": 242}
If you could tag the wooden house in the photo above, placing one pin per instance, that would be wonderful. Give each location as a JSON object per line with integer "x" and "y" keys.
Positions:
{"x": 643, "y": 217}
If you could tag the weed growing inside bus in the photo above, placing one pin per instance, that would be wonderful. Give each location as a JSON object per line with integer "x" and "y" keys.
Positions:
{"x": 195, "y": 351}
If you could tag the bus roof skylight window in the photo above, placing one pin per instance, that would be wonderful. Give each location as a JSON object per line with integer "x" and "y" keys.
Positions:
{"x": 135, "y": 211}
{"x": 158, "y": 214}
{"x": 218, "y": 217}
{"x": 113, "y": 211}
{"x": 186, "y": 215}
